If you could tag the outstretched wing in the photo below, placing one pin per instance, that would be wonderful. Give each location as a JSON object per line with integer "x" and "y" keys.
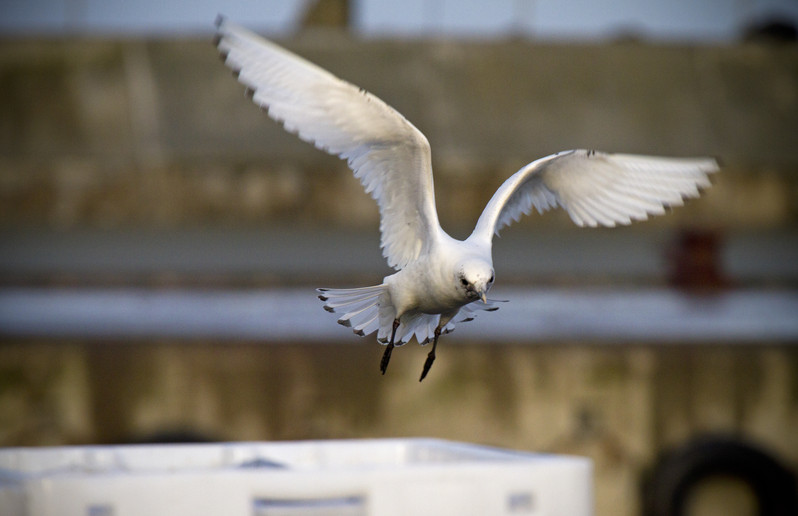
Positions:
{"x": 386, "y": 152}
{"x": 595, "y": 188}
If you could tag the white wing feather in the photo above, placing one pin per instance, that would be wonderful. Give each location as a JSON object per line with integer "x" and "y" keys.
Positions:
{"x": 595, "y": 188}
{"x": 386, "y": 152}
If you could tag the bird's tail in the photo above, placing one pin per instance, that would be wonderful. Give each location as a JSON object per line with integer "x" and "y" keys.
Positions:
{"x": 360, "y": 306}
{"x": 369, "y": 309}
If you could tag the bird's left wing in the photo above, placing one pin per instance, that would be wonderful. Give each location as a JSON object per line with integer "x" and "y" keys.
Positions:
{"x": 386, "y": 152}
{"x": 595, "y": 188}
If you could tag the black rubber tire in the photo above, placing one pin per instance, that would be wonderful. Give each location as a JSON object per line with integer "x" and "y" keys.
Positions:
{"x": 668, "y": 485}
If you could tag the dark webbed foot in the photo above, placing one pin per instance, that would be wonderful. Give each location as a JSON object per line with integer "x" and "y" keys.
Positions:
{"x": 386, "y": 356}
{"x": 431, "y": 355}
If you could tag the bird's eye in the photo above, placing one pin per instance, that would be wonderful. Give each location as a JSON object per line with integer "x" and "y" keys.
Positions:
{"x": 491, "y": 279}
{"x": 464, "y": 282}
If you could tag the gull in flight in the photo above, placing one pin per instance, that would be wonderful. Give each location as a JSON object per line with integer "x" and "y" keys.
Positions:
{"x": 439, "y": 281}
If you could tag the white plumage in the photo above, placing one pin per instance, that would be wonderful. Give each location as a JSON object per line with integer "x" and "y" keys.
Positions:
{"x": 439, "y": 280}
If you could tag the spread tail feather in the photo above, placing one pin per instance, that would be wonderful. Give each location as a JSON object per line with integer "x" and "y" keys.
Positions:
{"x": 369, "y": 309}
{"x": 360, "y": 306}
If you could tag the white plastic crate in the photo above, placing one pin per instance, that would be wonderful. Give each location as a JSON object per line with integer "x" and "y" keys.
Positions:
{"x": 379, "y": 477}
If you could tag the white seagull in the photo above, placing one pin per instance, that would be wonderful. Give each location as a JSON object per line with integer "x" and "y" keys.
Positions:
{"x": 439, "y": 281}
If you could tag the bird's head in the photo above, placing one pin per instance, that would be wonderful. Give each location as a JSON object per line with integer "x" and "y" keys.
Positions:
{"x": 474, "y": 278}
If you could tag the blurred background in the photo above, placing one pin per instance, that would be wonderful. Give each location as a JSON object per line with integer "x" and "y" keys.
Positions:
{"x": 160, "y": 238}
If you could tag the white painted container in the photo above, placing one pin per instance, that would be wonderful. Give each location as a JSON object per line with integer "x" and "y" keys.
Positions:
{"x": 379, "y": 477}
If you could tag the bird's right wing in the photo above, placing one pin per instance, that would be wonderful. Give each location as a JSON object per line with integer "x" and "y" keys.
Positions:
{"x": 386, "y": 152}
{"x": 595, "y": 188}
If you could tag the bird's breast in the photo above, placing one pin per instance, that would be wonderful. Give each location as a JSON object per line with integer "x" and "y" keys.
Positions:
{"x": 425, "y": 289}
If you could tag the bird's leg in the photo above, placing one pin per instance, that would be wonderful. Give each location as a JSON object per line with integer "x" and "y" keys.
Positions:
{"x": 386, "y": 356}
{"x": 431, "y": 355}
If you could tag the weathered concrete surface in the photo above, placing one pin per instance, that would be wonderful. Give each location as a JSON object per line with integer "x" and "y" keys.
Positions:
{"x": 300, "y": 256}
{"x": 617, "y": 405}
{"x": 115, "y": 133}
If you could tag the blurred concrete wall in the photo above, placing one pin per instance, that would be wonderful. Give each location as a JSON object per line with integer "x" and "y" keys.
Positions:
{"x": 619, "y": 405}
{"x": 104, "y": 133}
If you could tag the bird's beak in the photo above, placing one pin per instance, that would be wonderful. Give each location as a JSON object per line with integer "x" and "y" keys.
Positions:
{"x": 484, "y": 298}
